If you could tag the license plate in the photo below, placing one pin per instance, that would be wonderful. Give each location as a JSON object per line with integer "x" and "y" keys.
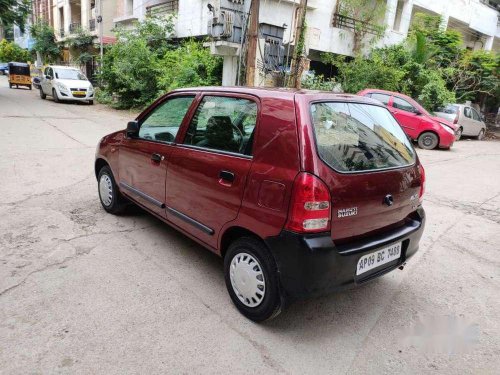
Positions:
{"x": 79, "y": 93}
{"x": 373, "y": 260}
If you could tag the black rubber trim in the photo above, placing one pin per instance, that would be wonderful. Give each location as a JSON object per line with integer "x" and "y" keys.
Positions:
{"x": 191, "y": 221}
{"x": 142, "y": 195}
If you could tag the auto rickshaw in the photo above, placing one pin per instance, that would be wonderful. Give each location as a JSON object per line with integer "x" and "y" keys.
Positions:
{"x": 19, "y": 75}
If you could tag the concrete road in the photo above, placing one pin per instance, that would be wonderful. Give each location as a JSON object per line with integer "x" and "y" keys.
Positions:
{"x": 82, "y": 291}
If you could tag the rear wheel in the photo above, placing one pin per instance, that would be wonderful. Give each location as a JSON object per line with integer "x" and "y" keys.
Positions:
{"x": 31, "y": 87}
{"x": 54, "y": 95}
{"x": 480, "y": 136}
{"x": 42, "y": 95}
{"x": 10, "y": 85}
{"x": 428, "y": 141}
{"x": 252, "y": 279}
{"x": 111, "y": 199}
{"x": 458, "y": 134}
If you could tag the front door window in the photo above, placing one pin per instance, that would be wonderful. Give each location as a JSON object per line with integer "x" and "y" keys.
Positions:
{"x": 163, "y": 123}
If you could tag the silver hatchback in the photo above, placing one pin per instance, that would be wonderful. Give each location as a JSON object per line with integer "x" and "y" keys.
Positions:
{"x": 466, "y": 117}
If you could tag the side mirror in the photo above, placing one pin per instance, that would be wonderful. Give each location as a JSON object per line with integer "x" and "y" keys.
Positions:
{"x": 47, "y": 77}
{"x": 132, "y": 128}
{"x": 417, "y": 112}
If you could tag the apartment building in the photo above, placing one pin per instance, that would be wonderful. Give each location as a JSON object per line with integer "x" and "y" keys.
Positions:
{"x": 328, "y": 30}
{"x": 71, "y": 15}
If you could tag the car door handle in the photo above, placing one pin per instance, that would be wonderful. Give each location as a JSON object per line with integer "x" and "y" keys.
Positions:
{"x": 226, "y": 176}
{"x": 157, "y": 157}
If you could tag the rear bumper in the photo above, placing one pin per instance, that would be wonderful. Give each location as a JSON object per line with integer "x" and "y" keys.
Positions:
{"x": 311, "y": 265}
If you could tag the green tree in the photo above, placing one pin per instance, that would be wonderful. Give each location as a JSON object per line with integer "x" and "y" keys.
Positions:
{"x": 45, "y": 42}
{"x": 368, "y": 16}
{"x": 14, "y": 12}
{"x": 189, "y": 65}
{"x": 9, "y": 51}
{"x": 81, "y": 45}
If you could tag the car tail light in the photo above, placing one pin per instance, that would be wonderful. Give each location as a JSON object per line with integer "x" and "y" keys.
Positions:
{"x": 422, "y": 183}
{"x": 310, "y": 208}
{"x": 455, "y": 121}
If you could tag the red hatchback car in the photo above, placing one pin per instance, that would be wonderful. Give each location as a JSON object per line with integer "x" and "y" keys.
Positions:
{"x": 300, "y": 192}
{"x": 429, "y": 131}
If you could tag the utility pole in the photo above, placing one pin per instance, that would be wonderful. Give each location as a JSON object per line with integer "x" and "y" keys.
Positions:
{"x": 297, "y": 60}
{"x": 253, "y": 36}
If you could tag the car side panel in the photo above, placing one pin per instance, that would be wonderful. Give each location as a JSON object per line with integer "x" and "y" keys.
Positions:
{"x": 276, "y": 162}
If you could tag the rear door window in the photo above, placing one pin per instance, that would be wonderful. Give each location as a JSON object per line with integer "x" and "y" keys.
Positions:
{"x": 381, "y": 97}
{"x": 352, "y": 137}
{"x": 223, "y": 123}
{"x": 475, "y": 115}
{"x": 402, "y": 104}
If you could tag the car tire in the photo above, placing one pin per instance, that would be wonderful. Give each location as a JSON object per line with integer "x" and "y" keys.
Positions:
{"x": 259, "y": 297}
{"x": 91, "y": 102}
{"x": 458, "y": 134}
{"x": 54, "y": 95}
{"x": 31, "y": 87}
{"x": 42, "y": 94}
{"x": 428, "y": 141}
{"x": 111, "y": 199}
{"x": 480, "y": 136}
{"x": 10, "y": 86}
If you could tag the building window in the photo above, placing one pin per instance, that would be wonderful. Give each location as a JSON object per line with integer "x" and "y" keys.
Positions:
{"x": 167, "y": 7}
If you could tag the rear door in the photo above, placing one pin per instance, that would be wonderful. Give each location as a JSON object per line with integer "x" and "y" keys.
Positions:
{"x": 207, "y": 172}
{"x": 468, "y": 122}
{"x": 143, "y": 159}
{"x": 477, "y": 123}
{"x": 407, "y": 116}
{"x": 368, "y": 164}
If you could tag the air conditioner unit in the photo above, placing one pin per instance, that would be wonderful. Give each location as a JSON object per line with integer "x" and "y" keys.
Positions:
{"x": 227, "y": 19}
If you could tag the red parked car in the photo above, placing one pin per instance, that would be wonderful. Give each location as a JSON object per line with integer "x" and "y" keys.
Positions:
{"x": 429, "y": 131}
{"x": 300, "y": 192}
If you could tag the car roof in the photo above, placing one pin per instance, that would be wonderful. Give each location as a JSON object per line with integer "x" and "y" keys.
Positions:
{"x": 269, "y": 92}
{"x": 63, "y": 67}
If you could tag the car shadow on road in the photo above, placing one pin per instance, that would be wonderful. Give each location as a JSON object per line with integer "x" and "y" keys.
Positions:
{"x": 346, "y": 312}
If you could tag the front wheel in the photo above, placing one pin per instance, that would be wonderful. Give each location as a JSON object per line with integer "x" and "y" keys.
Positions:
{"x": 111, "y": 199}
{"x": 42, "y": 94}
{"x": 428, "y": 141}
{"x": 458, "y": 134}
{"x": 31, "y": 87}
{"x": 91, "y": 102}
{"x": 251, "y": 279}
{"x": 480, "y": 136}
{"x": 54, "y": 95}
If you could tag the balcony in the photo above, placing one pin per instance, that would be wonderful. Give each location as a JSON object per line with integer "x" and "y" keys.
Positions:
{"x": 348, "y": 23}
{"x": 74, "y": 27}
{"x": 167, "y": 7}
{"x": 92, "y": 24}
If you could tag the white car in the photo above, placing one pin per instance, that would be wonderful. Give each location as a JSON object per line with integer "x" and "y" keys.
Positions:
{"x": 66, "y": 83}
{"x": 468, "y": 120}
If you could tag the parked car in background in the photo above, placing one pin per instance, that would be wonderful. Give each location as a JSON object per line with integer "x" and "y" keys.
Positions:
{"x": 66, "y": 83}
{"x": 301, "y": 193}
{"x": 429, "y": 131}
{"x": 467, "y": 119}
{"x": 4, "y": 68}
{"x": 36, "y": 82}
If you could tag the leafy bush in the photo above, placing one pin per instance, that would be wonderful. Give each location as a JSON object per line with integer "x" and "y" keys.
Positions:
{"x": 9, "y": 51}
{"x": 45, "y": 42}
{"x": 144, "y": 63}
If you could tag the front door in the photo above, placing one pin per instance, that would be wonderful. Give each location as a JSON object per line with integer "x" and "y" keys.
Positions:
{"x": 143, "y": 159}
{"x": 407, "y": 116}
{"x": 207, "y": 173}
{"x": 46, "y": 82}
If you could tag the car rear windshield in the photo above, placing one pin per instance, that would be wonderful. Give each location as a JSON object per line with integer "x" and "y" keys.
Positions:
{"x": 450, "y": 109}
{"x": 354, "y": 137}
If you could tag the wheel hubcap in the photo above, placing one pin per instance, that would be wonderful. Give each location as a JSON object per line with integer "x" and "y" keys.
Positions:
{"x": 247, "y": 279}
{"x": 106, "y": 190}
{"x": 427, "y": 141}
